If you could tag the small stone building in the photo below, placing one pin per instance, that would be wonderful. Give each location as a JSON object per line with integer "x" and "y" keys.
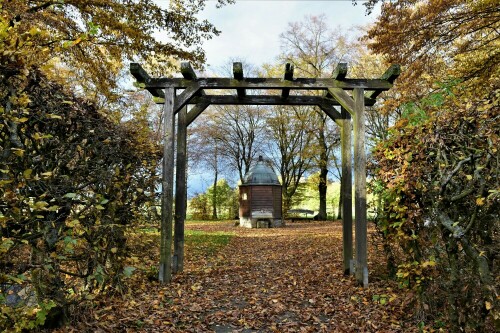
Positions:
{"x": 260, "y": 198}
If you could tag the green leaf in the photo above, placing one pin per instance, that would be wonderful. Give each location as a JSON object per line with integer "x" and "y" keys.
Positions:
{"x": 128, "y": 270}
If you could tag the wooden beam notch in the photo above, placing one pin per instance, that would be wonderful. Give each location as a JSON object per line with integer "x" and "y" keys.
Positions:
{"x": 390, "y": 75}
{"x": 238, "y": 75}
{"x": 289, "y": 77}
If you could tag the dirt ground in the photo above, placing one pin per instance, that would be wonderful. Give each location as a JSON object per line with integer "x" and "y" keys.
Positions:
{"x": 264, "y": 280}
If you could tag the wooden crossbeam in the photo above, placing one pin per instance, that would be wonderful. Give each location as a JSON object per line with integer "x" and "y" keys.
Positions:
{"x": 185, "y": 96}
{"x": 238, "y": 75}
{"x": 330, "y": 110}
{"x": 289, "y": 77}
{"x": 343, "y": 98}
{"x": 142, "y": 77}
{"x": 267, "y": 100}
{"x": 270, "y": 83}
{"x": 196, "y": 111}
{"x": 390, "y": 75}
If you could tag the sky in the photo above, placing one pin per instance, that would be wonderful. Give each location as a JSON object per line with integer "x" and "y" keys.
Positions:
{"x": 251, "y": 28}
{"x": 250, "y": 31}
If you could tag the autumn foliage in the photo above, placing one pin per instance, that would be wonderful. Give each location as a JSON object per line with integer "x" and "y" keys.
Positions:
{"x": 437, "y": 172}
{"x": 78, "y": 178}
{"x": 73, "y": 175}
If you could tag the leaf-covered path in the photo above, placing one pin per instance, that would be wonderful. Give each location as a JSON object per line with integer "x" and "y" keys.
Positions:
{"x": 265, "y": 280}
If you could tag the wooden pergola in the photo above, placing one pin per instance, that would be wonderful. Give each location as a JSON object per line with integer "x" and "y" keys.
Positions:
{"x": 195, "y": 92}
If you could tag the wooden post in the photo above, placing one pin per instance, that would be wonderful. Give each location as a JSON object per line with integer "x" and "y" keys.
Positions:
{"x": 345, "y": 140}
{"x": 180, "y": 191}
{"x": 165, "y": 271}
{"x": 360, "y": 187}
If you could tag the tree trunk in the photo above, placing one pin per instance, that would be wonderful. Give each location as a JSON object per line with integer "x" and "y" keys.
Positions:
{"x": 214, "y": 198}
{"x": 286, "y": 202}
{"x": 341, "y": 201}
{"x": 322, "y": 188}
{"x": 323, "y": 178}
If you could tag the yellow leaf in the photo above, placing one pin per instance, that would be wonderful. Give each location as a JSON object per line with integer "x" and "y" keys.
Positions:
{"x": 27, "y": 173}
{"x": 469, "y": 177}
{"x": 53, "y": 116}
{"x": 18, "y": 152}
{"x": 114, "y": 250}
{"x": 480, "y": 201}
{"x": 488, "y": 305}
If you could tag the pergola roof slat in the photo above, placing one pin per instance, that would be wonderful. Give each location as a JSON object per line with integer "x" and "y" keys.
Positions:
{"x": 340, "y": 71}
{"x": 142, "y": 76}
{"x": 238, "y": 75}
{"x": 390, "y": 75}
{"x": 289, "y": 77}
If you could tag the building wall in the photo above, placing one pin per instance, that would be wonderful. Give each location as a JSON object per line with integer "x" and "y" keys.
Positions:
{"x": 260, "y": 206}
{"x": 245, "y": 199}
{"x": 262, "y": 198}
{"x": 277, "y": 201}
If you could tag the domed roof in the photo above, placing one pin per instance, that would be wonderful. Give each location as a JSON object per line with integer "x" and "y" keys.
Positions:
{"x": 260, "y": 174}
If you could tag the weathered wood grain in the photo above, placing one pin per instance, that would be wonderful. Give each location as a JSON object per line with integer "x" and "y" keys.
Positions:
{"x": 340, "y": 71}
{"x": 360, "y": 188}
{"x": 289, "y": 77}
{"x": 196, "y": 111}
{"x": 238, "y": 75}
{"x": 343, "y": 98}
{"x": 165, "y": 271}
{"x": 180, "y": 191}
{"x": 270, "y": 83}
{"x": 346, "y": 151}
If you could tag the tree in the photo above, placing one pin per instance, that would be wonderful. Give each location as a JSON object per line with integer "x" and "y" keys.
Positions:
{"x": 93, "y": 38}
{"x": 226, "y": 203}
{"x": 315, "y": 51}
{"x": 239, "y": 130}
{"x": 438, "y": 169}
{"x": 205, "y": 151}
{"x": 225, "y": 198}
{"x": 73, "y": 177}
{"x": 289, "y": 141}
{"x": 199, "y": 206}
{"x": 239, "y": 127}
